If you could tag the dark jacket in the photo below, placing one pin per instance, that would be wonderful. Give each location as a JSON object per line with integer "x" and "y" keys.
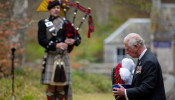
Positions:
{"x": 44, "y": 41}
{"x": 148, "y": 84}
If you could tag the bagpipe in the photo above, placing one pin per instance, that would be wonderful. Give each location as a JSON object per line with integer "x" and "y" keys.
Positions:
{"x": 64, "y": 5}
{"x": 71, "y": 31}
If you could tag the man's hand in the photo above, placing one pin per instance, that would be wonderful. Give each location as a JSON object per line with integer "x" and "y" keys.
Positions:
{"x": 69, "y": 41}
{"x": 62, "y": 45}
{"x": 120, "y": 92}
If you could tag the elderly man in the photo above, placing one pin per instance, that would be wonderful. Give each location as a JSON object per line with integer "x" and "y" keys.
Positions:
{"x": 147, "y": 83}
{"x": 52, "y": 35}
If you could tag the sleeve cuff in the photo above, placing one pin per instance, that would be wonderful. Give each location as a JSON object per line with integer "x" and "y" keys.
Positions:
{"x": 51, "y": 46}
{"x": 126, "y": 95}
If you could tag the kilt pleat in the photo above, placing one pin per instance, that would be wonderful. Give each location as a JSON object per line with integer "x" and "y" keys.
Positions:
{"x": 47, "y": 75}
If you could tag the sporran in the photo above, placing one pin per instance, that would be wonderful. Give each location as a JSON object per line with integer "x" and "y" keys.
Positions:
{"x": 58, "y": 75}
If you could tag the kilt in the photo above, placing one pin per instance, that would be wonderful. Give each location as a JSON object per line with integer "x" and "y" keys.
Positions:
{"x": 47, "y": 75}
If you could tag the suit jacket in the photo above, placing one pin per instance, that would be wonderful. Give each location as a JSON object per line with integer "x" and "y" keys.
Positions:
{"x": 147, "y": 81}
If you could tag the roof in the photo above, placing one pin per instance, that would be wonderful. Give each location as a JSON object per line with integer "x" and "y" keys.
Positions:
{"x": 133, "y": 25}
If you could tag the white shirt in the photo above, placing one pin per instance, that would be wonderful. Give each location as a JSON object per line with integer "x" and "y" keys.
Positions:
{"x": 142, "y": 54}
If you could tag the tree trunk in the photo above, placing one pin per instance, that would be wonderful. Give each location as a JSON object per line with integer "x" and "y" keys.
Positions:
{"x": 12, "y": 33}
{"x": 102, "y": 11}
{"x": 19, "y": 14}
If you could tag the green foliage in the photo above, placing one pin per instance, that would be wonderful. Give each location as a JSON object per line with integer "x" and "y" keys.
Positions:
{"x": 34, "y": 51}
{"x": 142, "y": 4}
{"x": 91, "y": 48}
{"x": 28, "y": 87}
{"x": 90, "y": 83}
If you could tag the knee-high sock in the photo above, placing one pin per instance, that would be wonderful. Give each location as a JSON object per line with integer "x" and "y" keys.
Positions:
{"x": 50, "y": 96}
{"x": 60, "y": 95}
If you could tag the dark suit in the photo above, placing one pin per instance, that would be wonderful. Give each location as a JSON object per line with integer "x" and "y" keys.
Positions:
{"x": 148, "y": 83}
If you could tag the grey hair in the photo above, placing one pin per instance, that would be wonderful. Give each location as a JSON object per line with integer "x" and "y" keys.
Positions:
{"x": 134, "y": 39}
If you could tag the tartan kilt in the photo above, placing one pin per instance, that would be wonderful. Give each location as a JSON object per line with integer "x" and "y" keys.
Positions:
{"x": 47, "y": 75}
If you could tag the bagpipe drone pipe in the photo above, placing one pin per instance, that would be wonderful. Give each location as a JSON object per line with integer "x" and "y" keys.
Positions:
{"x": 71, "y": 31}
{"x": 65, "y": 5}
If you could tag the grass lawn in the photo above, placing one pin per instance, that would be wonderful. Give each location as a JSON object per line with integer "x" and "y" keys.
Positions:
{"x": 28, "y": 87}
{"x": 93, "y": 96}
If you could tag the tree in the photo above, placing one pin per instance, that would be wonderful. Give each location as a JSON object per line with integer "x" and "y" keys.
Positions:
{"x": 102, "y": 11}
{"x": 19, "y": 14}
{"x": 12, "y": 31}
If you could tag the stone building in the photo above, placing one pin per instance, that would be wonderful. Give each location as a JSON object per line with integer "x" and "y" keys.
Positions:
{"x": 114, "y": 49}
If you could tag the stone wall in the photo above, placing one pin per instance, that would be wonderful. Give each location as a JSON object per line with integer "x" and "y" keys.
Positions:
{"x": 163, "y": 22}
{"x": 163, "y": 28}
{"x": 165, "y": 57}
{"x": 109, "y": 53}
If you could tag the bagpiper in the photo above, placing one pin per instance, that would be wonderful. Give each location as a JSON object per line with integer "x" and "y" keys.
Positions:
{"x": 58, "y": 37}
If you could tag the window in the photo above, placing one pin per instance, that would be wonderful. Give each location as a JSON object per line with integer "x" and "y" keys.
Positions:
{"x": 120, "y": 55}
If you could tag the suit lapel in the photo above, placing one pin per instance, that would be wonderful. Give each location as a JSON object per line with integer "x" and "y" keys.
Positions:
{"x": 134, "y": 76}
{"x": 138, "y": 64}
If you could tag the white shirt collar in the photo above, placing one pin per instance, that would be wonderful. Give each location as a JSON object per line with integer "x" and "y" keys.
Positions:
{"x": 142, "y": 54}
